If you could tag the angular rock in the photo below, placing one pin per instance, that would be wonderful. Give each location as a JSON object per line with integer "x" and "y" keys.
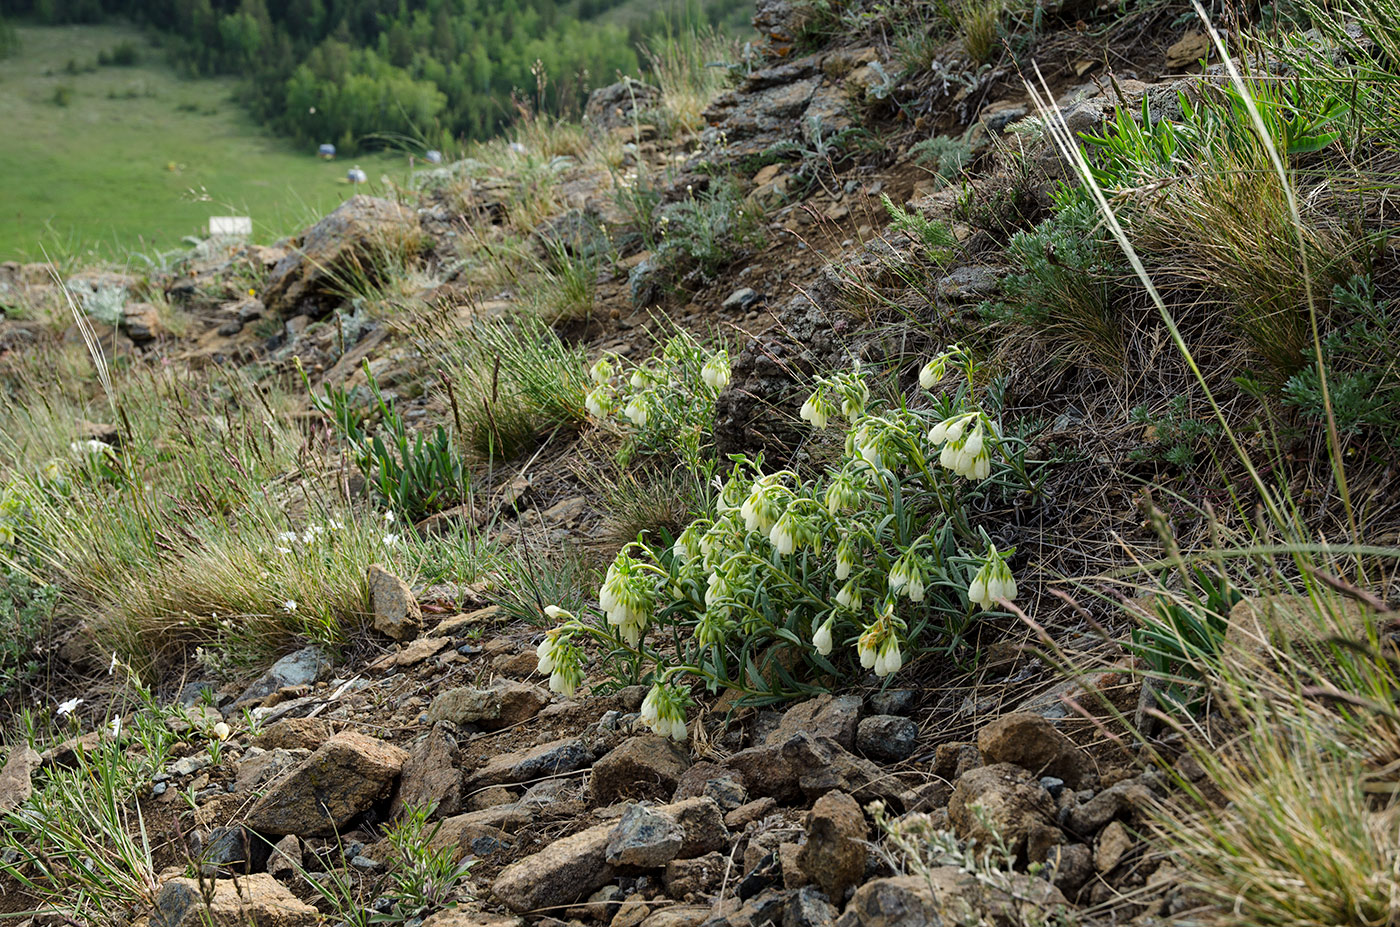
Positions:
{"x": 902, "y": 901}
{"x": 642, "y": 767}
{"x": 724, "y": 786}
{"x": 503, "y": 705}
{"x": 302, "y": 668}
{"x": 892, "y": 701}
{"x": 465, "y": 916}
{"x": 1002, "y": 802}
{"x": 1071, "y": 865}
{"x": 251, "y": 901}
{"x": 15, "y": 787}
{"x": 947, "y": 895}
{"x": 745, "y": 814}
{"x": 1034, "y": 743}
{"x": 824, "y": 716}
{"x": 566, "y": 871}
{"x": 887, "y": 737}
{"x": 286, "y": 858}
{"x": 835, "y": 852}
{"x": 342, "y": 779}
{"x": 703, "y": 824}
{"x": 698, "y": 876}
{"x": 293, "y": 734}
{"x": 461, "y": 829}
{"x": 465, "y": 705}
{"x": 1114, "y": 844}
{"x": 645, "y": 838}
{"x": 1129, "y": 795}
{"x": 808, "y": 908}
{"x": 432, "y": 775}
{"x": 678, "y": 916}
{"x": 259, "y": 767}
{"x": 396, "y": 611}
{"x": 232, "y": 848}
{"x": 619, "y": 105}
{"x": 305, "y": 280}
{"x": 556, "y": 756}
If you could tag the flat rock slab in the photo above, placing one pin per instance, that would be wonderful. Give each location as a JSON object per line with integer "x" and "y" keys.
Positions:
{"x": 252, "y": 901}
{"x": 343, "y": 778}
{"x": 563, "y": 872}
{"x": 545, "y": 760}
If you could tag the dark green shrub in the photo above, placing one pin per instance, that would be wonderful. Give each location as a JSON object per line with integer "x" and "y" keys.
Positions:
{"x": 25, "y": 608}
{"x": 1363, "y": 371}
{"x": 704, "y": 232}
{"x": 1065, "y": 285}
{"x": 1174, "y": 436}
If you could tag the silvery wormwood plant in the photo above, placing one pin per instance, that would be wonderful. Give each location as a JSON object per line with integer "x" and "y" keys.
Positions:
{"x": 870, "y": 564}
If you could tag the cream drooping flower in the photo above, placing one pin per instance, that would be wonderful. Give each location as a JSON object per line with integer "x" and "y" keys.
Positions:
{"x": 992, "y": 582}
{"x": 716, "y": 372}
{"x": 663, "y": 710}
{"x": 821, "y": 638}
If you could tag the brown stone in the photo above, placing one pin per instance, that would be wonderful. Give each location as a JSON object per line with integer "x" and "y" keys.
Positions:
{"x": 15, "y": 787}
{"x": 999, "y": 803}
{"x": 567, "y": 870}
{"x": 249, "y": 901}
{"x": 649, "y": 766}
{"x": 396, "y": 611}
{"x": 294, "y": 734}
{"x": 432, "y": 775}
{"x": 1034, "y": 743}
{"x": 834, "y": 855}
{"x": 343, "y": 778}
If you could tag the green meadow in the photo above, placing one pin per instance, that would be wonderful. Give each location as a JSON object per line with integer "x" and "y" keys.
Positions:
{"x": 113, "y": 160}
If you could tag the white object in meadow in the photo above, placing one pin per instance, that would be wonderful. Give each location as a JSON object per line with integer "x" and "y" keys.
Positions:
{"x": 234, "y": 226}
{"x": 355, "y": 175}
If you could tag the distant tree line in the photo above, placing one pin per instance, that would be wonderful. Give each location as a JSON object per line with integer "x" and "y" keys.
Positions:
{"x": 9, "y": 41}
{"x": 356, "y": 72}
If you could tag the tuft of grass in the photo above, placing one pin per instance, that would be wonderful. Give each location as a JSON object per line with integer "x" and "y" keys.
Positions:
{"x": 1065, "y": 288}
{"x": 80, "y": 844}
{"x": 210, "y": 523}
{"x": 655, "y": 503}
{"x": 691, "y": 67}
{"x": 1295, "y": 820}
{"x": 537, "y": 574}
{"x": 510, "y": 383}
{"x": 978, "y": 22}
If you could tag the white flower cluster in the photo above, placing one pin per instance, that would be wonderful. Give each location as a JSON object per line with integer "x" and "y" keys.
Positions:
{"x": 651, "y": 388}
{"x": 966, "y": 453}
{"x": 663, "y": 710}
{"x": 627, "y": 597}
{"x": 993, "y": 581}
{"x": 559, "y": 656}
{"x": 879, "y": 644}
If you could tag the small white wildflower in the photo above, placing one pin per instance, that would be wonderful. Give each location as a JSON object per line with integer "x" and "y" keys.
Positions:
{"x": 289, "y": 606}
{"x": 68, "y": 707}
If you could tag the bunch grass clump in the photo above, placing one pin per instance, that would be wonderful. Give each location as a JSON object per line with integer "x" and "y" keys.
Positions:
{"x": 691, "y": 67}
{"x": 510, "y": 383}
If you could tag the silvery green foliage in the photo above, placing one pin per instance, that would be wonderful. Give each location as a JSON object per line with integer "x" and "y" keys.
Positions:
{"x": 101, "y": 302}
